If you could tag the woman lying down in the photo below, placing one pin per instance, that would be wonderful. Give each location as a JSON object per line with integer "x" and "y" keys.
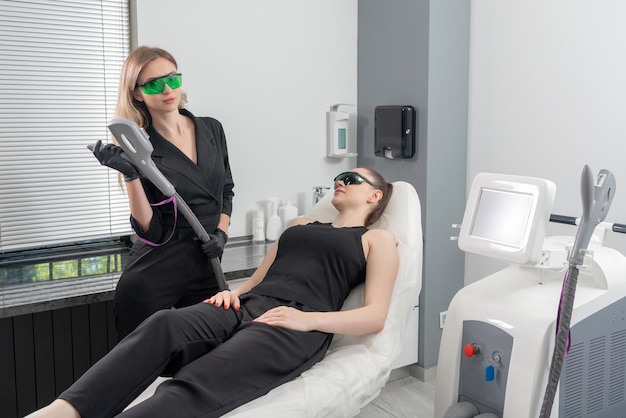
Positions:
{"x": 238, "y": 345}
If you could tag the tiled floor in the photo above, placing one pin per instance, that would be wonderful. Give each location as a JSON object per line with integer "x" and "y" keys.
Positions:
{"x": 403, "y": 398}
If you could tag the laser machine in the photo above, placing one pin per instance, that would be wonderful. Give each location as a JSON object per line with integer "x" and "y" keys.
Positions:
{"x": 518, "y": 343}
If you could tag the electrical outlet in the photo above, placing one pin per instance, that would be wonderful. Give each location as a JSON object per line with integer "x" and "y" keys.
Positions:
{"x": 442, "y": 318}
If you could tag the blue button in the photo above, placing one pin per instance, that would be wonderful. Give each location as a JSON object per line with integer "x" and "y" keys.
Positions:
{"x": 490, "y": 373}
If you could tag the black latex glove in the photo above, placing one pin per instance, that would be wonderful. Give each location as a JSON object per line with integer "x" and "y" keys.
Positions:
{"x": 112, "y": 156}
{"x": 215, "y": 246}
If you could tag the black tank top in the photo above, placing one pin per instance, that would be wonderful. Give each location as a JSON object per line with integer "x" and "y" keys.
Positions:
{"x": 316, "y": 265}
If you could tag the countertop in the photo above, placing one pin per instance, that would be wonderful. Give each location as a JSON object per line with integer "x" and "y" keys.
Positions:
{"x": 241, "y": 257}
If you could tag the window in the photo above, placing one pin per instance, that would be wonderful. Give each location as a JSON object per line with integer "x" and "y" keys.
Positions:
{"x": 93, "y": 259}
{"x": 59, "y": 67}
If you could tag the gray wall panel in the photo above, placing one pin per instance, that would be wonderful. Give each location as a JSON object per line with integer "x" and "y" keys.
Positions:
{"x": 416, "y": 52}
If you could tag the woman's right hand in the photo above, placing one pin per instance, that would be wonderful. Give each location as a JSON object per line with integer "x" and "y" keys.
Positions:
{"x": 224, "y": 298}
{"x": 113, "y": 156}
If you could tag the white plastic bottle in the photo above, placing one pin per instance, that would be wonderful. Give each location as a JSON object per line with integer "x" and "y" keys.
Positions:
{"x": 258, "y": 226}
{"x": 274, "y": 226}
{"x": 287, "y": 212}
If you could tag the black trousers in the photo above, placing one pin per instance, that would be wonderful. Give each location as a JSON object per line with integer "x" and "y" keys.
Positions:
{"x": 177, "y": 274}
{"x": 218, "y": 359}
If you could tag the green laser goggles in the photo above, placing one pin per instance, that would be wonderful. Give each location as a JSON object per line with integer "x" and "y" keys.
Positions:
{"x": 157, "y": 85}
{"x": 350, "y": 177}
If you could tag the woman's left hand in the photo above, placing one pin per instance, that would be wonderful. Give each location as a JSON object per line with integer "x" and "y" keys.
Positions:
{"x": 283, "y": 316}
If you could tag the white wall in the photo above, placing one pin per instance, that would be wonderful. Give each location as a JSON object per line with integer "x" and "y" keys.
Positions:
{"x": 548, "y": 95}
{"x": 268, "y": 70}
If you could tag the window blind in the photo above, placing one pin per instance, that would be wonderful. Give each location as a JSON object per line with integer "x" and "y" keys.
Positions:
{"x": 59, "y": 68}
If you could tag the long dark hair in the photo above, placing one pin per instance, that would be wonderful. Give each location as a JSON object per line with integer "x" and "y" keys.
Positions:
{"x": 387, "y": 188}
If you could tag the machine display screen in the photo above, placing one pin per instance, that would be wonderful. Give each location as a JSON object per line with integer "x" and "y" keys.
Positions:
{"x": 502, "y": 216}
{"x": 506, "y": 217}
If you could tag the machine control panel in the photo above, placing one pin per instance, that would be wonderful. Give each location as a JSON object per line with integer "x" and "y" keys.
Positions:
{"x": 485, "y": 358}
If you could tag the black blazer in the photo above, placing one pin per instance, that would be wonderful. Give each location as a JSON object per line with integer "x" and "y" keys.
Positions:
{"x": 207, "y": 187}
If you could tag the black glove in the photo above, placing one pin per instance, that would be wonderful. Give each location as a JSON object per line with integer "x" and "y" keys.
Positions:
{"x": 111, "y": 155}
{"x": 215, "y": 246}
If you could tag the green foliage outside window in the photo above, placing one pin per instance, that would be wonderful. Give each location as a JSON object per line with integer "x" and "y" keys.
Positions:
{"x": 62, "y": 269}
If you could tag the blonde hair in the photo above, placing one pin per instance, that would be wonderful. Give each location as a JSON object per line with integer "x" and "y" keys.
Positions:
{"x": 127, "y": 106}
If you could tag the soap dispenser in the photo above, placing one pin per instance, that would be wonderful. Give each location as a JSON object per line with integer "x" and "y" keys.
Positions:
{"x": 274, "y": 226}
{"x": 287, "y": 212}
{"x": 258, "y": 225}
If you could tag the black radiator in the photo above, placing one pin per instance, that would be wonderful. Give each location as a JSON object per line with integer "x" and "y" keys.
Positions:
{"x": 43, "y": 353}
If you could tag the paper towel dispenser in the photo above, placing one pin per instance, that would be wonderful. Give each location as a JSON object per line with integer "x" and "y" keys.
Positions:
{"x": 395, "y": 128}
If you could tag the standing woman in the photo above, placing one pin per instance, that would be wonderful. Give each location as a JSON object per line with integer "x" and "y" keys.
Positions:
{"x": 167, "y": 266}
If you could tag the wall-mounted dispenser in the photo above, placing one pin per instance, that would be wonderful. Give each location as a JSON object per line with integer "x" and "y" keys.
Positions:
{"x": 395, "y": 128}
{"x": 338, "y": 136}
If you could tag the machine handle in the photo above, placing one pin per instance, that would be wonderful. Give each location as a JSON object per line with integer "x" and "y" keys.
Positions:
{"x": 562, "y": 219}
{"x": 621, "y": 228}
{"x": 570, "y": 220}
{"x": 138, "y": 148}
{"x": 596, "y": 200}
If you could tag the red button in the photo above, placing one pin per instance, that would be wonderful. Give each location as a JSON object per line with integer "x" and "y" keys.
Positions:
{"x": 471, "y": 349}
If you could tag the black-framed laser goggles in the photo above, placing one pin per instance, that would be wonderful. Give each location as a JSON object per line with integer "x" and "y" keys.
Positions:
{"x": 157, "y": 85}
{"x": 350, "y": 177}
